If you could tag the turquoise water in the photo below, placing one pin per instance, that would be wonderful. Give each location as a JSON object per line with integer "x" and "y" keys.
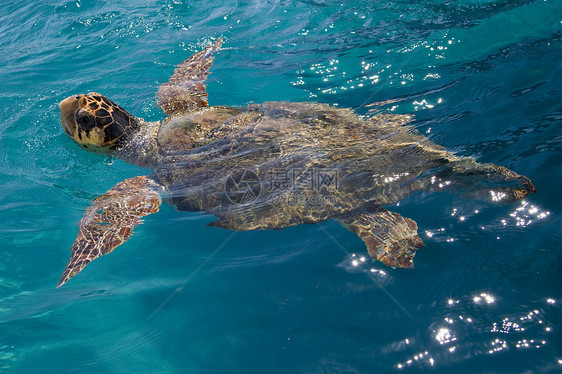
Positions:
{"x": 483, "y": 79}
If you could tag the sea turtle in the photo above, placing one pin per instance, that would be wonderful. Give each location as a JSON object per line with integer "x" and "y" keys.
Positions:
{"x": 266, "y": 166}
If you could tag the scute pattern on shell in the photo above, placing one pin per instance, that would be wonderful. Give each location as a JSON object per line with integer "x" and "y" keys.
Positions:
{"x": 378, "y": 161}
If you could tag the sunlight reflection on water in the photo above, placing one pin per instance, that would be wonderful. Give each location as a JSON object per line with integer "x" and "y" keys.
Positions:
{"x": 466, "y": 318}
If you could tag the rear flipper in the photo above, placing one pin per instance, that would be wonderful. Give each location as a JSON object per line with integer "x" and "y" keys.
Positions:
{"x": 478, "y": 180}
{"x": 390, "y": 238}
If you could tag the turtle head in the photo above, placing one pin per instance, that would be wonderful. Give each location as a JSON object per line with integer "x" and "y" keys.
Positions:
{"x": 95, "y": 122}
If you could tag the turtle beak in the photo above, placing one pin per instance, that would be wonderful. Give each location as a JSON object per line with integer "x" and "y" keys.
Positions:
{"x": 68, "y": 108}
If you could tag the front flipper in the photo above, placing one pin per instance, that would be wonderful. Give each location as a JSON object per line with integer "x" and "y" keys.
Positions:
{"x": 185, "y": 91}
{"x": 390, "y": 238}
{"x": 110, "y": 220}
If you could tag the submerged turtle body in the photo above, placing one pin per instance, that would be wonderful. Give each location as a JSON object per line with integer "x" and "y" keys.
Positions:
{"x": 312, "y": 161}
{"x": 300, "y": 153}
{"x": 267, "y": 166}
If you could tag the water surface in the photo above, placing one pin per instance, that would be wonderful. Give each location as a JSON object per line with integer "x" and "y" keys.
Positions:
{"x": 483, "y": 79}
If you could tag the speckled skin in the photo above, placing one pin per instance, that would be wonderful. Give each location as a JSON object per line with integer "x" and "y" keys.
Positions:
{"x": 110, "y": 217}
{"x": 279, "y": 164}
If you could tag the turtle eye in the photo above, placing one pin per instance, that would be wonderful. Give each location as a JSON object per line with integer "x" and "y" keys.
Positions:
{"x": 85, "y": 121}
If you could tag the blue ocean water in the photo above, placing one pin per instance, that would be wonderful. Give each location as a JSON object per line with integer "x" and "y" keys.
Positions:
{"x": 483, "y": 78}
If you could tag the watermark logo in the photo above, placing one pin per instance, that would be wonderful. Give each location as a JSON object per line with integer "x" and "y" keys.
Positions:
{"x": 242, "y": 186}
{"x": 315, "y": 179}
{"x": 312, "y": 186}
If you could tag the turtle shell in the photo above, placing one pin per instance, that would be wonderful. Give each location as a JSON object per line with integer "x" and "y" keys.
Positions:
{"x": 281, "y": 164}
